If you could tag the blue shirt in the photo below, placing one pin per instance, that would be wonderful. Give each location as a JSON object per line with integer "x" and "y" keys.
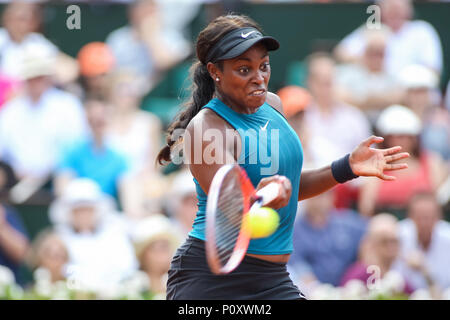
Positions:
{"x": 269, "y": 147}
{"x": 14, "y": 220}
{"x": 104, "y": 166}
{"x": 328, "y": 251}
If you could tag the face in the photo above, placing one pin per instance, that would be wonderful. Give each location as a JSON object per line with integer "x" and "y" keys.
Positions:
{"x": 418, "y": 99}
{"x": 406, "y": 141}
{"x": 374, "y": 57}
{"x": 37, "y": 86}
{"x": 84, "y": 219}
{"x": 53, "y": 254}
{"x": 97, "y": 115}
{"x": 395, "y": 12}
{"x": 321, "y": 80}
{"x": 425, "y": 213}
{"x": 157, "y": 257}
{"x": 386, "y": 245}
{"x": 244, "y": 80}
{"x": 320, "y": 205}
{"x": 20, "y": 20}
{"x": 125, "y": 95}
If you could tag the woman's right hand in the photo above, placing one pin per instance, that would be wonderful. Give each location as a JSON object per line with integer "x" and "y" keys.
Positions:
{"x": 284, "y": 194}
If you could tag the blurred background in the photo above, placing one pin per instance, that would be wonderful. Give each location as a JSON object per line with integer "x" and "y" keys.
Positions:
{"x": 86, "y": 93}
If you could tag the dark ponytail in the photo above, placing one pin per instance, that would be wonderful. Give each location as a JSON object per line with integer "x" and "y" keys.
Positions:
{"x": 203, "y": 86}
{"x": 202, "y": 91}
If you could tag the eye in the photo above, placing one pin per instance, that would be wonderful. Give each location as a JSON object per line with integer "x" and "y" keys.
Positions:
{"x": 265, "y": 66}
{"x": 243, "y": 70}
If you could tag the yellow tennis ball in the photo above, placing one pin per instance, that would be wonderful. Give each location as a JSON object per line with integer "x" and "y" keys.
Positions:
{"x": 261, "y": 222}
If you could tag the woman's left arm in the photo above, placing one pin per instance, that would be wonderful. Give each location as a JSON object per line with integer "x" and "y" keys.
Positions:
{"x": 363, "y": 161}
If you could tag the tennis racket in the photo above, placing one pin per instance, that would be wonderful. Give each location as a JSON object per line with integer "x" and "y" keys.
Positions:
{"x": 231, "y": 196}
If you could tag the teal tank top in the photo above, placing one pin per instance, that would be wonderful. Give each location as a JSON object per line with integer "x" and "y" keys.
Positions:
{"x": 269, "y": 147}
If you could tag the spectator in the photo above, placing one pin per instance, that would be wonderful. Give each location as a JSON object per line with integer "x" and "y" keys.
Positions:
{"x": 93, "y": 158}
{"x": 181, "y": 202}
{"x": 21, "y": 21}
{"x": 328, "y": 118}
{"x": 96, "y": 60}
{"x": 295, "y": 100}
{"x": 326, "y": 242}
{"x": 366, "y": 84}
{"x": 36, "y": 127}
{"x": 96, "y": 236}
{"x": 135, "y": 132}
{"x": 379, "y": 251}
{"x": 13, "y": 237}
{"x": 50, "y": 253}
{"x": 155, "y": 242}
{"x": 425, "y": 240}
{"x": 146, "y": 46}
{"x": 410, "y": 41}
{"x": 426, "y": 171}
{"x": 423, "y": 97}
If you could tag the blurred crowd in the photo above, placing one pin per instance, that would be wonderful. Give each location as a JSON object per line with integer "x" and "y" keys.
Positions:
{"x": 73, "y": 134}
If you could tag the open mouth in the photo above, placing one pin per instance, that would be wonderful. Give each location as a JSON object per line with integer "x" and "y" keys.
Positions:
{"x": 258, "y": 93}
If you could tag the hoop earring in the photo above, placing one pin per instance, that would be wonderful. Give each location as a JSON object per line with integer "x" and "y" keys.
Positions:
{"x": 217, "y": 79}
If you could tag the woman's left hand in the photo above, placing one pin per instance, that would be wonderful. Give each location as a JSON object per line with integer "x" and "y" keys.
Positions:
{"x": 371, "y": 162}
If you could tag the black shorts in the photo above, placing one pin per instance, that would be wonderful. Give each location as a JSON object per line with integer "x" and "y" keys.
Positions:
{"x": 254, "y": 279}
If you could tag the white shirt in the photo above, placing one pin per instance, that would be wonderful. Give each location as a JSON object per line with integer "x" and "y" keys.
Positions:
{"x": 12, "y": 53}
{"x": 136, "y": 144}
{"x": 417, "y": 42}
{"x": 102, "y": 259}
{"x": 33, "y": 136}
{"x": 437, "y": 257}
{"x": 336, "y": 133}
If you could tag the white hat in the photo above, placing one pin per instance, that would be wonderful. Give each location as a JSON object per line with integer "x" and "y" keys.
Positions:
{"x": 152, "y": 228}
{"x": 80, "y": 192}
{"x": 37, "y": 60}
{"x": 183, "y": 183}
{"x": 398, "y": 119}
{"x": 418, "y": 76}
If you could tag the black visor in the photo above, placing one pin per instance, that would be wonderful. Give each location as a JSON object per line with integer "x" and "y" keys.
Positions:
{"x": 236, "y": 42}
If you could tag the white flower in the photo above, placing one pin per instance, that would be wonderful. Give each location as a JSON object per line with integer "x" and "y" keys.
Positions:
{"x": 6, "y": 276}
{"x": 324, "y": 292}
{"x": 392, "y": 282}
{"x": 60, "y": 291}
{"x": 446, "y": 294}
{"x": 354, "y": 290}
{"x": 42, "y": 275}
{"x": 421, "y": 294}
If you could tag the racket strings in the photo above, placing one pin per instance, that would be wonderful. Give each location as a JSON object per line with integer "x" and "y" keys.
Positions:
{"x": 228, "y": 218}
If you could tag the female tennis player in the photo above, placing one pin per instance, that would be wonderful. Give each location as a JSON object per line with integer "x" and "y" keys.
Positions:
{"x": 230, "y": 100}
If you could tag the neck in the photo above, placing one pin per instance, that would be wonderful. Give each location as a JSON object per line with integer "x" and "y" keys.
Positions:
{"x": 324, "y": 105}
{"x": 425, "y": 242}
{"x": 234, "y": 106}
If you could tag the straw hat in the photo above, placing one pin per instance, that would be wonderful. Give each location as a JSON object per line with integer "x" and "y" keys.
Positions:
{"x": 37, "y": 61}
{"x": 398, "y": 119}
{"x": 153, "y": 228}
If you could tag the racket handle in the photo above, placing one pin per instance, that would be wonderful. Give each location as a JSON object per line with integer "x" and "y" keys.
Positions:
{"x": 268, "y": 193}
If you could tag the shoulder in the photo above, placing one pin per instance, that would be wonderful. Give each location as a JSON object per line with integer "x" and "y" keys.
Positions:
{"x": 118, "y": 35}
{"x": 421, "y": 25}
{"x": 206, "y": 119}
{"x": 275, "y": 102}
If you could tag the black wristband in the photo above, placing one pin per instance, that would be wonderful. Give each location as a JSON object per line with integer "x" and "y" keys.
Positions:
{"x": 341, "y": 170}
